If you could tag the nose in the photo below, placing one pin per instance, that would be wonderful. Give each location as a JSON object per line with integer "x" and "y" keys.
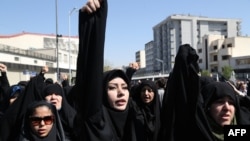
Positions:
{"x": 120, "y": 91}
{"x": 53, "y": 95}
{"x": 226, "y": 105}
{"x": 42, "y": 122}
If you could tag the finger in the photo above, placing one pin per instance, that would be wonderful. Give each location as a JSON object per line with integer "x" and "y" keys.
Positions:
{"x": 87, "y": 9}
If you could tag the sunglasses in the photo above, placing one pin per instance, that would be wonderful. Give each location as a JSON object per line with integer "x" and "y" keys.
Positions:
{"x": 48, "y": 120}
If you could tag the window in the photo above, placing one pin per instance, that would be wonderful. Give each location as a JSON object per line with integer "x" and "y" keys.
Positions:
{"x": 225, "y": 57}
{"x": 16, "y": 58}
{"x": 230, "y": 45}
{"x": 215, "y": 47}
{"x": 199, "y": 50}
{"x": 215, "y": 58}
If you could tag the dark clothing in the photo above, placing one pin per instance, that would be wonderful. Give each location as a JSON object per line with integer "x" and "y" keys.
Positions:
{"x": 96, "y": 120}
{"x": 184, "y": 108}
{"x": 181, "y": 112}
{"x": 12, "y": 120}
{"x": 55, "y": 134}
{"x": 4, "y": 86}
{"x": 150, "y": 111}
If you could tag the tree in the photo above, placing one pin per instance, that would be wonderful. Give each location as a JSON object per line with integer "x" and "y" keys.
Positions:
{"x": 205, "y": 73}
{"x": 227, "y": 71}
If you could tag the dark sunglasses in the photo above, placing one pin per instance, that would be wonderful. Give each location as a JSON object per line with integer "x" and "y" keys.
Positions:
{"x": 48, "y": 120}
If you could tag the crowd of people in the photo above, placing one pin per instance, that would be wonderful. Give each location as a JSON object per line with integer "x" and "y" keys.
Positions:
{"x": 105, "y": 106}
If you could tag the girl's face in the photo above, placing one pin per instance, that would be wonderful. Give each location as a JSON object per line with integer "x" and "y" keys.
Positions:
{"x": 118, "y": 93}
{"x": 223, "y": 111}
{"x": 41, "y": 121}
{"x": 147, "y": 94}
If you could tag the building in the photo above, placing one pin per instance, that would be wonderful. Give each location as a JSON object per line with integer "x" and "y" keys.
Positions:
{"x": 176, "y": 30}
{"x": 140, "y": 57}
{"x": 25, "y": 53}
{"x": 216, "y": 51}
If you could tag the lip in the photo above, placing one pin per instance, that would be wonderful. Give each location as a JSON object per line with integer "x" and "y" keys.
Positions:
{"x": 120, "y": 102}
{"x": 41, "y": 131}
{"x": 225, "y": 116}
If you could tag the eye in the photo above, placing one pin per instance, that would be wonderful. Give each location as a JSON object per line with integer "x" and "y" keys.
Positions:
{"x": 111, "y": 87}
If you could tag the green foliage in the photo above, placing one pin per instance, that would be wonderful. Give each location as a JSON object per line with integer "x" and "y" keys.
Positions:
{"x": 227, "y": 71}
{"x": 205, "y": 73}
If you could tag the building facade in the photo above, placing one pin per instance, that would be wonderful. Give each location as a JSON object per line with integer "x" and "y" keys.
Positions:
{"x": 26, "y": 53}
{"x": 176, "y": 30}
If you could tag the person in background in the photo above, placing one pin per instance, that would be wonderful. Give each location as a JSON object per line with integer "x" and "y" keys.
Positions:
{"x": 13, "y": 93}
{"x": 148, "y": 101}
{"x": 161, "y": 85}
{"x": 206, "y": 107}
{"x": 54, "y": 94}
{"x": 41, "y": 123}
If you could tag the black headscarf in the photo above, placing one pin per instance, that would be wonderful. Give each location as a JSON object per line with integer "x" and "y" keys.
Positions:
{"x": 67, "y": 112}
{"x": 119, "y": 118}
{"x": 216, "y": 90}
{"x": 151, "y": 111}
{"x": 108, "y": 76}
{"x": 56, "y": 132}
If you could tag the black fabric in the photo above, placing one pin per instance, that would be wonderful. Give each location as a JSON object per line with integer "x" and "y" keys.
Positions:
{"x": 216, "y": 90}
{"x": 12, "y": 119}
{"x": 4, "y": 86}
{"x": 56, "y": 132}
{"x": 86, "y": 95}
{"x": 67, "y": 112}
{"x": 12, "y": 92}
{"x": 179, "y": 109}
{"x": 151, "y": 111}
{"x": 95, "y": 120}
{"x": 184, "y": 107}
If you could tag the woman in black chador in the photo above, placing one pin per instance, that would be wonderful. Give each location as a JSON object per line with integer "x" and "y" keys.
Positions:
{"x": 105, "y": 110}
{"x": 193, "y": 108}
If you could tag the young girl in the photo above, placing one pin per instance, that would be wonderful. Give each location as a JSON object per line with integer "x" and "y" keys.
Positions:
{"x": 41, "y": 122}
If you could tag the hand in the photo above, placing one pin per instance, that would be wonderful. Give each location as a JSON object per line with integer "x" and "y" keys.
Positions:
{"x": 91, "y": 6}
{"x": 3, "y": 68}
{"x": 45, "y": 69}
{"x": 134, "y": 65}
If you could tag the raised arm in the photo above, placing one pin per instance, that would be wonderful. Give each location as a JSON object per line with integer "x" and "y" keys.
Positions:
{"x": 92, "y": 26}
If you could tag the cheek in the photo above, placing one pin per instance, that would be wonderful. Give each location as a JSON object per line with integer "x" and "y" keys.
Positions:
{"x": 111, "y": 96}
{"x": 47, "y": 98}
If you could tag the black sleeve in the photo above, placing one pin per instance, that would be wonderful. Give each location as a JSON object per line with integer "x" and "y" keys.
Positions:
{"x": 4, "y": 84}
{"x": 89, "y": 75}
{"x": 130, "y": 72}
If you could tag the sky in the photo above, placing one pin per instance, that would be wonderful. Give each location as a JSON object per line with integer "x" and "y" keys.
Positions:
{"x": 129, "y": 24}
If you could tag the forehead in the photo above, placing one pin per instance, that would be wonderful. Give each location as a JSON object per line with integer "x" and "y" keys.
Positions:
{"x": 117, "y": 80}
{"x": 41, "y": 110}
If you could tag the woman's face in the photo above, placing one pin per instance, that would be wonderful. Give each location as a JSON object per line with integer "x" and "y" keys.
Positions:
{"x": 147, "y": 94}
{"x": 223, "y": 111}
{"x": 41, "y": 121}
{"x": 118, "y": 93}
{"x": 55, "y": 99}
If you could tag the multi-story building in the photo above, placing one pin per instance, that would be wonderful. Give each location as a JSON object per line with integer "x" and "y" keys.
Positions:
{"x": 176, "y": 30}
{"x": 26, "y": 53}
{"x": 140, "y": 57}
{"x": 216, "y": 51}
